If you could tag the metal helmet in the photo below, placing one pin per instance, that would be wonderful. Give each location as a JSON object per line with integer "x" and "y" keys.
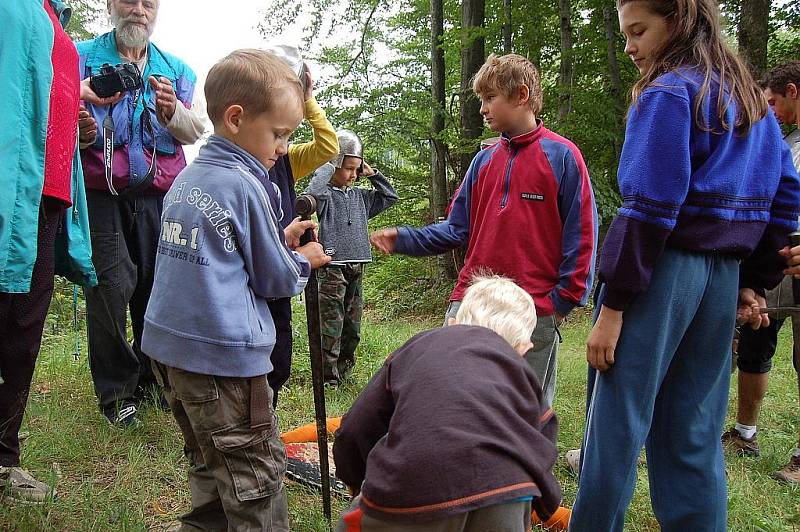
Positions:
{"x": 349, "y": 146}
{"x": 291, "y": 56}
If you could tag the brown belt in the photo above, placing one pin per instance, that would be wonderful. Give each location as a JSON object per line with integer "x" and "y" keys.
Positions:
{"x": 260, "y": 415}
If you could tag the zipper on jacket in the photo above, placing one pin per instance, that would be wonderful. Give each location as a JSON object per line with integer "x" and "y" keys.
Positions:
{"x": 507, "y": 179}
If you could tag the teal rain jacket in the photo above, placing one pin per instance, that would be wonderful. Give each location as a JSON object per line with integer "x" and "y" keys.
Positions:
{"x": 26, "y": 71}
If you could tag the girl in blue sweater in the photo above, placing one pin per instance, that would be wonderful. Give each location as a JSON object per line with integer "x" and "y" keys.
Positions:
{"x": 709, "y": 196}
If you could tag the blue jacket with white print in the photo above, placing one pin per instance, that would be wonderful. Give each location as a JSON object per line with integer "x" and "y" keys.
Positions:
{"x": 221, "y": 256}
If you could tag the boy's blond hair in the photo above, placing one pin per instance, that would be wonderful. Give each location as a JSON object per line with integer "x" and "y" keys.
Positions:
{"x": 497, "y": 303}
{"x": 506, "y": 74}
{"x": 248, "y": 77}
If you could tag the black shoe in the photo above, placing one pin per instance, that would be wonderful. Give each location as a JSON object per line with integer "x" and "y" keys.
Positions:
{"x": 345, "y": 367}
{"x": 122, "y": 415}
{"x": 332, "y": 382}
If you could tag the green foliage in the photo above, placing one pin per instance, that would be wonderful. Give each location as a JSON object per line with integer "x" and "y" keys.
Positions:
{"x": 84, "y": 14}
{"x": 376, "y": 60}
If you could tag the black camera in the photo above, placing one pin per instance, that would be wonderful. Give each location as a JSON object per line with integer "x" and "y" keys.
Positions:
{"x": 111, "y": 80}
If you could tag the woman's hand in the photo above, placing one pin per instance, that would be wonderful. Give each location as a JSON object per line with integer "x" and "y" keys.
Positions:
{"x": 602, "y": 341}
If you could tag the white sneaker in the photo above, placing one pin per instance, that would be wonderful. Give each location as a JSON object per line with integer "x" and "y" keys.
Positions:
{"x": 18, "y": 484}
{"x": 573, "y": 459}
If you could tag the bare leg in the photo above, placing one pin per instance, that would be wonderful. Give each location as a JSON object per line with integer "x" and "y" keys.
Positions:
{"x": 752, "y": 389}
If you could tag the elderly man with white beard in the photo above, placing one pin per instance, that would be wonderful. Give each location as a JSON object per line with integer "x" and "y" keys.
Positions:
{"x": 130, "y": 160}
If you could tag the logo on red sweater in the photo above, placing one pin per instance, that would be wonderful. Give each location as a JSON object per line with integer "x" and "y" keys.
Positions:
{"x": 532, "y": 196}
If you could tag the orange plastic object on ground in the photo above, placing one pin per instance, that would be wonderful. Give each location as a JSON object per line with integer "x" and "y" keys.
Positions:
{"x": 308, "y": 433}
{"x": 558, "y": 521}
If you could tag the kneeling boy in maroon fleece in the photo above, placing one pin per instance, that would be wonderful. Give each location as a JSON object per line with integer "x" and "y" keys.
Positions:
{"x": 451, "y": 434}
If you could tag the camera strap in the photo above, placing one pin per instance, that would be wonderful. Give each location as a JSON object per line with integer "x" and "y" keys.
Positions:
{"x": 108, "y": 150}
{"x": 108, "y": 153}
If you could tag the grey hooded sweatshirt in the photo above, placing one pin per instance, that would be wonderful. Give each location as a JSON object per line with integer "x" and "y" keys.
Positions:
{"x": 221, "y": 256}
{"x": 343, "y": 214}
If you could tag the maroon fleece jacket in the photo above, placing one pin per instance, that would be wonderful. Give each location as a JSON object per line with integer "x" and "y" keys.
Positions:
{"x": 452, "y": 422}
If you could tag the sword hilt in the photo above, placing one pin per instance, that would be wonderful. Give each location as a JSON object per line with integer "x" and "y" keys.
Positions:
{"x": 306, "y": 205}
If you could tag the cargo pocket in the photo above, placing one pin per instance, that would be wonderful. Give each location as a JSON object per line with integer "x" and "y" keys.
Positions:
{"x": 191, "y": 387}
{"x": 256, "y": 460}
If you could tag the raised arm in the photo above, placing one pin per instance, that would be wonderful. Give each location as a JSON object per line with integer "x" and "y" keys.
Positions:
{"x": 381, "y": 196}
{"x": 304, "y": 158}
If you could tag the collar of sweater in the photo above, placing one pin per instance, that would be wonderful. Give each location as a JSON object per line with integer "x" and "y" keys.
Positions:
{"x": 220, "y": 150}
{"x": 524, "y": 139}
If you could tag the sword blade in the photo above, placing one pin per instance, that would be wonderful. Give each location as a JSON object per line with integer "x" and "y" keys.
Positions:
{"x": 317, "y": 382}
{"x": 788, "y": 310}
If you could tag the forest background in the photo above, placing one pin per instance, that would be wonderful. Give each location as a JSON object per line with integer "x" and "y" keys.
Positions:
{"x": 398, "y": 74}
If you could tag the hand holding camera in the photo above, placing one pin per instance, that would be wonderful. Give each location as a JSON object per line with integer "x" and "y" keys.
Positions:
{"x": 111, "y": 81}
{"x": 88, "y": 95}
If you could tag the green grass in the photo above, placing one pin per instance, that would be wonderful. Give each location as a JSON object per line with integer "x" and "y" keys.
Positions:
{"x": 132, "y": 480}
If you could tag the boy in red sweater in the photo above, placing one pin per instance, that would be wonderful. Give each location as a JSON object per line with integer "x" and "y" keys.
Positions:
{"x": 525, "y": 210}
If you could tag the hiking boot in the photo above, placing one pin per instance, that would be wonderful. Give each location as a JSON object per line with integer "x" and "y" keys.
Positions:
{"x": 122, "y": 415}
{"x": 19, "y": 485}
{"x": 734, "y": 440}
{"x": 789, "y": 473}
{"x": 344, "y": 367}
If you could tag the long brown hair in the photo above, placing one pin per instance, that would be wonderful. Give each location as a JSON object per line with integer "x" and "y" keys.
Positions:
{"x": 696, "y": 41}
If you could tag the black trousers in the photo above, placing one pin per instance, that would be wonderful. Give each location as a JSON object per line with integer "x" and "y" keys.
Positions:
{"x": 125, "y": 232}
{"x": 22, "y": 318}
{"x": 281, "y": 310}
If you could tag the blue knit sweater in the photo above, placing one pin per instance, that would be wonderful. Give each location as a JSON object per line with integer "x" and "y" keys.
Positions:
{"x": 705, "y": 191}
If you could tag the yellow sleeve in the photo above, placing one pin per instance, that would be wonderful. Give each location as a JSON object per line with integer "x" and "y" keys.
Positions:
{"x": 308, "y": 156}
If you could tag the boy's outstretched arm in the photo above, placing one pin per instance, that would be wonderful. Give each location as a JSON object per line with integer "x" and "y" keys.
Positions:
{"x": 439, "y": 237}
{"x": 578, "y": 212}
{"x": 365, "y": 423}
{"x": 306, "y": 157}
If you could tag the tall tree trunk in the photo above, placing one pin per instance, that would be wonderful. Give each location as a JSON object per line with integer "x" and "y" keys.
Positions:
{"x": 610, "y": 20}
{"x": 472, "y": 56}
{"x": 753, "y": 34}
{"x": 565, "y": 71}
{"x": 439, "y": 197}
{"x": 507, "y": 26}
